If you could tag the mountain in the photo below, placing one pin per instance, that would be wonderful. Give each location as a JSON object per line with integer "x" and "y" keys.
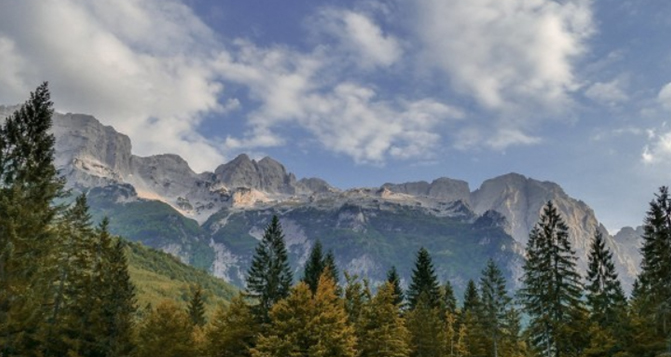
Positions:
{"x": 213, "y": 220}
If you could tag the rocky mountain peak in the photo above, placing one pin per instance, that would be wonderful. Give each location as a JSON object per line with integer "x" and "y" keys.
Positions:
{"x": 266, "y": 175}
{"x": 444, "y": 189}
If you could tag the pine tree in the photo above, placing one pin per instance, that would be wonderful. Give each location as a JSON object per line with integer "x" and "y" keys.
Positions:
{"x": 330, "y": 264}
{"x": 166, "y": 332}
{"x": 28, "y": 186}
{"x": 449, "y": 300}
{"x": 604, "y": 292}
{"x": 424, "y": 280}
{"x": 307, "y": 325}
{"x": 551, "y": 292}
{"x": 655, "y": 276}
{"x": 232, "y": 331}
{"x": 395, "y": 281}
{"x": 196, "y": 308}
{"x": 357, "y": 296}
{"x": 382, "y": 332}
{"x": 426, "y": 328}
{"x": 314, "y": 267}
{"x": 471, "y": 320}
{"x": 334, "y": 336}
{"x": 495, "y": 304}
{"x": 117, "y": 298}
{"x": 269, "y": 277}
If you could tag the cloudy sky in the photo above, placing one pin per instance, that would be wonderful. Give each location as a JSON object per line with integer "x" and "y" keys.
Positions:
{"x": 370, "y": 91}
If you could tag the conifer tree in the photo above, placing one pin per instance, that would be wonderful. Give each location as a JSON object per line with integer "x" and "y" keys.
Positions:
{"x": 314, "y": 267}
{"x": 197, "y": 307}
{"x": 495, "y": 304}
{"x": 116, "y": 296}
{"x": 449, "y": 300}
{"x": 551, "y": 292}
{"x": 357, "y": 296}
{"x": 395, "y": 281}
{"x": 382, "y": 332}
{"x": 604, "y": 292}
{"x": 424, "y": 280}
{"x": 28, "y": 186}
{"x": 471, "y": 298}
{"x": 269, "y": 277}
{"x": 166, "y": 332}
{"x": 655, "y": 276}
{"x": 471, "y": 321}
{"x": 330, "y": 264}
{"x": 426, "y": 329}
{"x": 232, "y": 331}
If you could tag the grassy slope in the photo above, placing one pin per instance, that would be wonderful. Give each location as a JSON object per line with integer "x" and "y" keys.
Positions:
{"x": 160, "y": 276}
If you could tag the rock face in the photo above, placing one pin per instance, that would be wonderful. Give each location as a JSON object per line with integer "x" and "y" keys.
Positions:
{"x": 217, "y": 217}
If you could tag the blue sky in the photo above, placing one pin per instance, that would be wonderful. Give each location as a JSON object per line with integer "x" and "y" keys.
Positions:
{"x": 366, "y": 92}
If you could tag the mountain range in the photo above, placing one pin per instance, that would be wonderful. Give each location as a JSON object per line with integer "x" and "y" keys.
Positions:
{"x": 213, "y": 220}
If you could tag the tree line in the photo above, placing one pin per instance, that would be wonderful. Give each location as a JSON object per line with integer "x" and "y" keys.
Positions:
{"x": 65, "y": 289}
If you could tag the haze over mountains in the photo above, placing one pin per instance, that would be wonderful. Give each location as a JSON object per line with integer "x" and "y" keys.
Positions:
{"x": 214, "y": 219}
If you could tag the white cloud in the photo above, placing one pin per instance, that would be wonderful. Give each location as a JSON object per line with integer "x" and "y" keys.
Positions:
{"x": 359, "y": 36}
{"x": 344, "y": 116}
{"x": 507, "y": 54}
{"x": 658, "y": 149}
{"x": 664, "y": 97}
{"x": 141, "y": 66}
{"x": 609, "y": 93}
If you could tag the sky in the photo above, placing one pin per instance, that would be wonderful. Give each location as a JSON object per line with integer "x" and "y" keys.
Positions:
{"x": 365, "y": 92}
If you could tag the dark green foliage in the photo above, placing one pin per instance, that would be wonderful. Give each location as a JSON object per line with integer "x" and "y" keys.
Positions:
{"x": 330, "y": 264}
{"x": 269, "y": 278}
{"x": 395, "y": 281}
{"x": 28, "y": 186}
{"x": 424, "y": 280}
{"x": 471, "y": 297}
{"x": 197, "y": 307}
{"x": 495, "y": 304}
{"x": 653, "y": 294}
{"x": 551, "y": 292}
{"x": 449, "y": 300}
{"x": 314, "y": 267}
{"x": 605, "y": 297}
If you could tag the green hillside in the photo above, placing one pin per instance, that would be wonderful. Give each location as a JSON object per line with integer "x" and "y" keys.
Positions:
{"x": 160, "y": 276}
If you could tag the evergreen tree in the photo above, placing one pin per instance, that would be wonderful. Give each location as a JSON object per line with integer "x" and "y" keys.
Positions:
{"x": 166, "y": 332}
{"x": 424, "y": 280}
{"x": 471, "y": 298}
{"x": 307, "y": 325}
{"x": 116, "y": 293}
{"x": 232, "y": 331}
{"x": 604, "y": 292}
{"x": 357, "y": 296}
{"x": 471, "y": 322}
{"x": 382, "y": 332}
{"x": 655, "y": 275}
{"x": 495, "y": 304}
{"x": 314, "y": 267}
{"x": 551, "y": 292}
{"x": 449, "y": 300}
{"x": 28, "y": 186}
{"x": 395, "y": 281}
{"x": 269, "y": 277}
{"x": 197, "y": 307}
{"x": 330, "y": 264}
{"x": 426, "y": 329}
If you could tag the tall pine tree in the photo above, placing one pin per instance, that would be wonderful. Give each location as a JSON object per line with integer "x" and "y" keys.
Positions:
{"x": 314, "y": 266}
{"x": 605, "y": 297}
{"x": 395, "y": 281}
{"x": 424, "y": 281}
{"x": 269, "y": 277}
{"x": 28, "y": 186}
{"x": 551, "y": 292}
{"x": 196, "y": 308}
{"x": 654, "y": 290}
{"x": 495, "y": 305}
